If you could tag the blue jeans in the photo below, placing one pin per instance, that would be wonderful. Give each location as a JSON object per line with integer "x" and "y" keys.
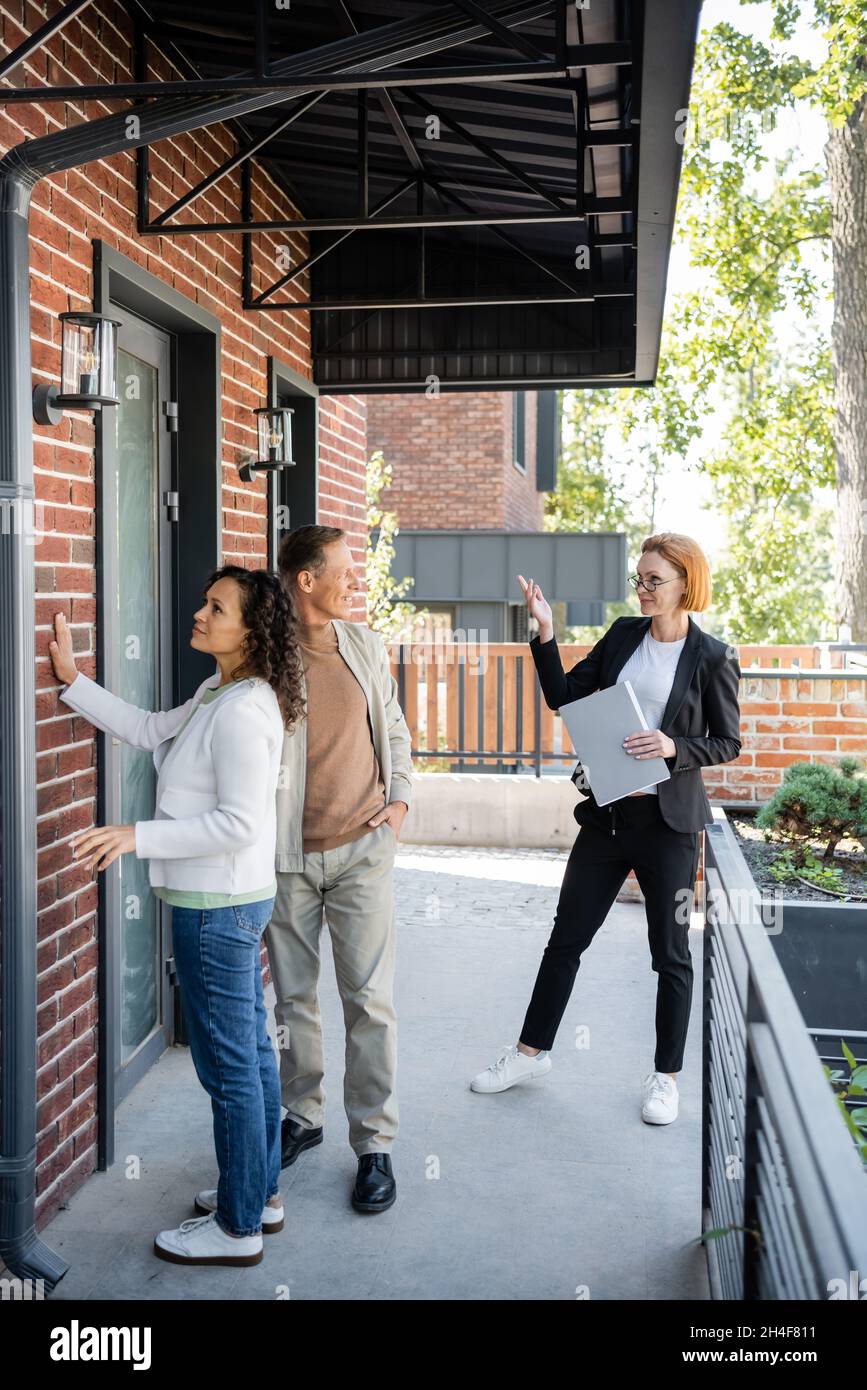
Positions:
{"x": 216, "y": 954}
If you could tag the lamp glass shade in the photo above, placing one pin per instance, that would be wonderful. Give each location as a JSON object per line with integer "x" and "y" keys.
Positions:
{"x": 274, "y": 424}
{"x": 89, "y": 360}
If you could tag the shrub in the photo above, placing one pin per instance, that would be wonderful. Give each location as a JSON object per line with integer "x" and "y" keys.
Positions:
{"x": 818, "y": 802}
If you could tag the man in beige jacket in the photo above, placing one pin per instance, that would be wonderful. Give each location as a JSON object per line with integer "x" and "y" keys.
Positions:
{"x": 345, "y": 788}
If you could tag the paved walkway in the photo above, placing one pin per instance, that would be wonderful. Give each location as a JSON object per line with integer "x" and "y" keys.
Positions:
{"x": 531, "y": 1194}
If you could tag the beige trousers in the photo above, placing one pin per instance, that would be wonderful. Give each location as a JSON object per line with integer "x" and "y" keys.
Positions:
{"x": 353, "y": 883}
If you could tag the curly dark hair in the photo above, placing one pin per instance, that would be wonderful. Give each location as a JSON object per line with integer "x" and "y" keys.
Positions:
{"x": 271, "y": 644}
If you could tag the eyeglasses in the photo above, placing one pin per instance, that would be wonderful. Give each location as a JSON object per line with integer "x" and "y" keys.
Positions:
{"x": 649, "y": 584}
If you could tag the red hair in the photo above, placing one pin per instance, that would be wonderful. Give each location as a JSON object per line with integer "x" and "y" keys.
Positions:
{"x": 690, "y": 562}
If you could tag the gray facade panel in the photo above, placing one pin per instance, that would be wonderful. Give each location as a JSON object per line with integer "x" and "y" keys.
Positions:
{"x": 450, "y": 566}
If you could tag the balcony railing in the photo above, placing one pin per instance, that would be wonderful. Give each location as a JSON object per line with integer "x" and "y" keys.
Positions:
{"x": 780, "y": 1174}
{"x": 479, "y": 707}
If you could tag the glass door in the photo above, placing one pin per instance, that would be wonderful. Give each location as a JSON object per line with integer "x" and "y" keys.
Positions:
{"x": 137, "y": 606}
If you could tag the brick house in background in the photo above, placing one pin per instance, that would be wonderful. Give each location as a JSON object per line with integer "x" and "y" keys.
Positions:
{"x": 470, "y": 472}
{"x": 463, "y": 460}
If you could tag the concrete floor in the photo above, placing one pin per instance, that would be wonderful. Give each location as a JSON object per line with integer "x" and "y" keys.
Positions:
{"x": 553, "y": 1192}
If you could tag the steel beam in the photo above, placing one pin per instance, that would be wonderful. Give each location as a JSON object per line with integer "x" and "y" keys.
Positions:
{"x": 245, "y": 153}
{"x": 89, "y": 140}
{"x": 363, "y": 158}
{"x": 145, "y": 30}
{"x": 449, "y": 302}
{"x": 571, "y": 380}
{"x": 595, "y": 207}
{"x": 579, "y": 57}
{"x": 261, "y": 37}
{"x": 516, "y": 245}
{"x": 508, "y": 36}
{"x": 470, "y": 181}
{"x": 599, "y": 55}
{"x": 254, "y": 303}
{"x": 445, "y": 354}
{"x": 327, "y": 81}
{"x": 488, "y": 151}
{"x": 363, "y": 55}
{"x": 369, "y": 224}
{"x": 384, "y": 98}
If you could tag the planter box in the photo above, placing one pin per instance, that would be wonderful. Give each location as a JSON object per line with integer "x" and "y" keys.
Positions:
{"x": 823, "y": 951}
{"x": 761, "y": 855}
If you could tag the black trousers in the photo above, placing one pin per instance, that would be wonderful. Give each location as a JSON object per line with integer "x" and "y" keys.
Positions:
{"x": 629, "y": 834}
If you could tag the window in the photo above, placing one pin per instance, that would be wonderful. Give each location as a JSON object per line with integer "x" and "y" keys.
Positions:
{"x": 519, "y": 431}
{"x": 519, "y": 623}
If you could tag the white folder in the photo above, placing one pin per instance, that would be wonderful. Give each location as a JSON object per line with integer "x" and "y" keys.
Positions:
{"x": 597, "y": 726}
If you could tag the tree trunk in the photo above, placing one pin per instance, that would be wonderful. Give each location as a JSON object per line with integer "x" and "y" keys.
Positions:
{"x": 846, "y": 155}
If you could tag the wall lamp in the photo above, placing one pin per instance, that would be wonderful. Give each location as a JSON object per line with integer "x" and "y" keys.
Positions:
{"x": 88, "y": 374}
{"x": 274, "y": 430}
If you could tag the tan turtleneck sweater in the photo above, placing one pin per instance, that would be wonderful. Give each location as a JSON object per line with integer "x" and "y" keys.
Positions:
{"x": 344, "y": 785}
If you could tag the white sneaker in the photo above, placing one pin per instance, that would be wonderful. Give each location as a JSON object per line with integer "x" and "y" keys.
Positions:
{"x": 200, "y": 1241}
{"x": 660, "y": 1098}
{"x": 272, "y": 1217}
{"x": 510, "y": 1069}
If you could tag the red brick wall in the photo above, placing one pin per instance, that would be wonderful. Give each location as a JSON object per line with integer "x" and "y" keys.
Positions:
{"x": 789, "y": 718}
{"x": 452, "y": 460}
{"x": 68, "y": 213}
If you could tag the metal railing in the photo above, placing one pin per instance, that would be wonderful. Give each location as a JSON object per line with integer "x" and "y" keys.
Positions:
{"x": 780, "y": 1172}
{"x": 479, "y": 708}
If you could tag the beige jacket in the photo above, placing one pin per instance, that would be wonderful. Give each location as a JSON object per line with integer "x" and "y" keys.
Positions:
{"x": 366, "y": 655}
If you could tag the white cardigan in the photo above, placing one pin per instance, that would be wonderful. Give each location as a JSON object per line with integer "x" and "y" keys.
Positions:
{"x": 216, "y": 826}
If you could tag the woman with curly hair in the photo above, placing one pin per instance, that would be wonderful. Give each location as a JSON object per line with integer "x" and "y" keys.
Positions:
{"x": 211, "y": 849}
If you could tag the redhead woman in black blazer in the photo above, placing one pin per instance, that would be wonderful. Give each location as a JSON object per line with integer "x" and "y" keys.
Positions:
{"x": 687, "y": 685}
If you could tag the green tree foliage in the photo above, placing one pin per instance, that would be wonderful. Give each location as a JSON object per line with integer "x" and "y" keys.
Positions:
{"x": 607, "y": 479}
{"x": 776, "y": 576}
{"x": 387, "y": 613}
{"x": 752, "y": 233}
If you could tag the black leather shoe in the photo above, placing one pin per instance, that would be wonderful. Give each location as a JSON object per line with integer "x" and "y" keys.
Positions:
{"x": 293, "y": 1138}
{"x": 375, "y": 1188}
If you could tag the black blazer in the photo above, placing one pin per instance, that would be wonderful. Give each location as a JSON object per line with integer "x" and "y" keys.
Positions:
{"x": 702, "y": 714}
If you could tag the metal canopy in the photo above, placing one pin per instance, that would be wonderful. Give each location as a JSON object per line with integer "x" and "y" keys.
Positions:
{"x": 466, "y": 174}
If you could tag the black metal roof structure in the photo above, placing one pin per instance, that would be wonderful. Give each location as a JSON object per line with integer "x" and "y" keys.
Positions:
{"x": 487, "y": 186}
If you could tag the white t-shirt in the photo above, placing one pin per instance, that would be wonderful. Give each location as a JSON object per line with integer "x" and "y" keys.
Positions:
{"x": 650, "y": 671}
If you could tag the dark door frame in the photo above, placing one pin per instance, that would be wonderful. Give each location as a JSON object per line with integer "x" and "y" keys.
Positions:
{"x": 296, "y": 488}
{"x": 197, "y": 477}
